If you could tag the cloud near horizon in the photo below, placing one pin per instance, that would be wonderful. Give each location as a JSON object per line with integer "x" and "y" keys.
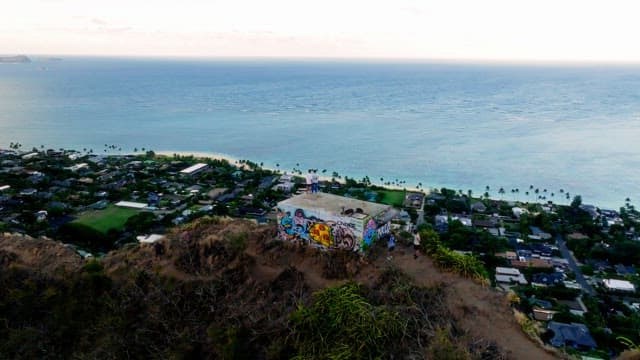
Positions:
{"x": 570, "y": 30}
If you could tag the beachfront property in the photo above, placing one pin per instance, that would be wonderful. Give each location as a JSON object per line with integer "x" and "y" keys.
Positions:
{"x": 194, "y": 169}
{"x": 332, "y": 221}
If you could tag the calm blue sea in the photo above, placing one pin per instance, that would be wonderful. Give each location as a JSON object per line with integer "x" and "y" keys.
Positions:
{"x": 457, "y": 125}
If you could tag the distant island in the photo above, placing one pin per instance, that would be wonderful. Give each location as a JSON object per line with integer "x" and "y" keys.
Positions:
{"x": 17, "y": 59}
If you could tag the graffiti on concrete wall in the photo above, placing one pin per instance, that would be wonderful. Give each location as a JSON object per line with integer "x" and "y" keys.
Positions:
{"x": 297, "y": 226}
{"x": 321, "y": 233}
{"x": 369, "y": 234}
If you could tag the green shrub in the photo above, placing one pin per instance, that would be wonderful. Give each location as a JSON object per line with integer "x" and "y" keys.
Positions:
{"x": 342, "y": 324}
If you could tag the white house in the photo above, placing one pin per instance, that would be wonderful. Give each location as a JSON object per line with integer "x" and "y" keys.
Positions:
{"x": 194, "y": 169}
{"x": 517, "y": 211}
{"x": 148, "y": 239}
{"x": 619, "y": 285}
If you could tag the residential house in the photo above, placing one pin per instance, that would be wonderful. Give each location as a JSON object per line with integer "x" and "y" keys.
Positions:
{"x": 541, "y": 314}
{"x": 538, "y": 234}
{"x": 573, "y": 335}
{"x": 510, "y": 275}
{"x": 533, "y": 262}
{"x": 509, "y": 255}
{"x": 625, "y": 270}
{"x": 413, "y": 199}
{"x": 194, "y": 169}
{"x": 478, "y": 207}
{"x": 517, "y": 211}
{"x": 546, "y": 279}
{"x": 618, "y": 285}
{"x": 576, "y": 306}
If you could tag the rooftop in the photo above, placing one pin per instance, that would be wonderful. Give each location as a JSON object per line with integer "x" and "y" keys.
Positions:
{"x": 193, "y": 168}
{"x": 575, "y": 335}
{"x": 334, "y": 204}
{"x": 148, "y": 239}
{"x": 131, "y": 204}
{"x": 507, "y": 271}
{"x": 615, "y": 284}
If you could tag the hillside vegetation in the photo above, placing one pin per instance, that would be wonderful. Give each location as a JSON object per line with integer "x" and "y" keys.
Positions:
{"x": 224, "y": 289}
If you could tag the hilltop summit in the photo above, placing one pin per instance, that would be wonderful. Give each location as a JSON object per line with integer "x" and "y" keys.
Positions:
{"x": 221, "y": 288}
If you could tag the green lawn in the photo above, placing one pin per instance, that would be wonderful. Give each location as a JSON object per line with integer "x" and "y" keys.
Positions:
{"x": 392, "y": 197}
{"x": 112, "y": 217}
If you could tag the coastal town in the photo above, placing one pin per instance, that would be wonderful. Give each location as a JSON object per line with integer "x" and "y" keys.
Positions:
{"x": 570, "y": 269}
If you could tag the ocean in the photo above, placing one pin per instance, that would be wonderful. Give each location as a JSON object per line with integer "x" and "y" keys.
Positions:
{"x": 463, "y": 126}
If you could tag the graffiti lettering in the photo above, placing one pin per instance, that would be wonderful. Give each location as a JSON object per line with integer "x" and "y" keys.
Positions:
{"x": 384, "y": 230}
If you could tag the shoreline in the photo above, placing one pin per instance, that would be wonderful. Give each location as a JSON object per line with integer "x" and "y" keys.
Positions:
{"x": 234, "y": 161}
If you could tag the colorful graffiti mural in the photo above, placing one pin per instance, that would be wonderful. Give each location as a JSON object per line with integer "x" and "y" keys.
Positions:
{"x": 297, "y": 226}
{"x": 369, "y": 234}
{"x": 321, "y": 233}
{"x": 343, "y": 237}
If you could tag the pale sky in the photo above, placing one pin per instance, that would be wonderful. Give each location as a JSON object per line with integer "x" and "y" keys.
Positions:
{"x": 520, "y": 30}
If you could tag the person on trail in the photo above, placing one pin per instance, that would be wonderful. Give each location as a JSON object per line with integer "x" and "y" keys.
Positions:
{"x": 309, "y": 181}
{"x": 314, "y": 181}
{"x": 416, "y": 244}
{"x": 391, "y": 243}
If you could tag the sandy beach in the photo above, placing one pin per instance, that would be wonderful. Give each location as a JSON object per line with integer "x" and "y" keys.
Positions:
{"x": 236, "y": 161}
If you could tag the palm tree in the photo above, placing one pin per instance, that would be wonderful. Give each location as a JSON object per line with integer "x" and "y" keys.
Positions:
{"x": 501, "y": 192}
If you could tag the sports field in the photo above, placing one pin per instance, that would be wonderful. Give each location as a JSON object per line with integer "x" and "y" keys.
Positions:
{"x": 112, "y": 217}
{"x": 392, "y": 197}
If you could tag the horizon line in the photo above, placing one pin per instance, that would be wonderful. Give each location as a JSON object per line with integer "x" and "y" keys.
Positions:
{"x": 388, "y": 59}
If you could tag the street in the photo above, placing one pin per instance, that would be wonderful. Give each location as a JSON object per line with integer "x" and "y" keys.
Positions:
{"x": 562, "y": 246}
